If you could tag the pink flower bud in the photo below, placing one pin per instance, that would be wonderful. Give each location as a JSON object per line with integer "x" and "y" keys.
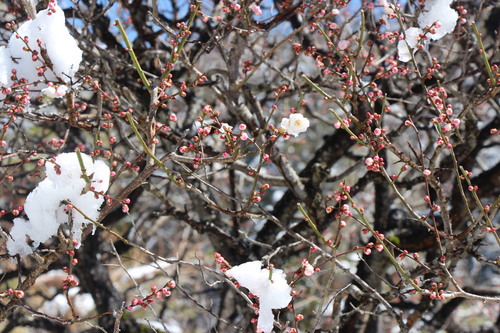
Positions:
{"x": 308, "y": 269}
{"x": 125, "y": 208}
{"x": 256, "y": 10}
{"x": 19, "y": 293}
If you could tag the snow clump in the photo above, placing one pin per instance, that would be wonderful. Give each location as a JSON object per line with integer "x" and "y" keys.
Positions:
{"x": 47, "y": 33}
{"x": 45, "y": 205}
{"x": 438, "y": 11}
{"x": 272, "y": 290}
{"x": 436, "y": 14}
{"x": 412, "y": 38}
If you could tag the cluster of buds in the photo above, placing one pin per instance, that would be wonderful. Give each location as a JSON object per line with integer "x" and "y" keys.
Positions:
{"x": 405, "y": 253}
{"x": 368, "y": 248}
{"x": 378, "y": 143}
{"x": 183, "y": 31}
{"x": 444, "y": 119}
{"x": 346, "y": 122}
{"x": 372, "y": 117}
{"x": 247, "y": 66}
{"x": 187, "y": 149}
{"x": 434, "y": 68}
{"x": 15, "y": 211}
{"x": 155, "y": 293}
{"x": 496, "y": 75}
{"x": 52, "y": 6}
{"x": 340, "y": 194}
{"x": 473, "y": 188}
{"x": 436, "y": 292}
{"x": 209, "y": 112}
{"x": 437, "y": 96}
{"x": 374, "y": 164}
{"x": 73, "y": 261}
{"x": 231, "y": 8}
{"x": 203, "y": 132}
{"x": 257, "y": 196}
{"x": 343, "y": 210}
{"x": 69, "y": 282}
{"x": 280, "y": 90}
{"x": 12, "y": 293}
{"x": 56, "y": 143}
{"x": 125, "y": 205}
{"x": 490, "y": 229}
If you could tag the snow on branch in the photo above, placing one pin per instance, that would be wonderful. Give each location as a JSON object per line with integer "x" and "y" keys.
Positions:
{"x": 40, "y": 50}
{"x": 269, "y": 285}
{"x": 436, "y": 20}
{"x": 45, "y": 206}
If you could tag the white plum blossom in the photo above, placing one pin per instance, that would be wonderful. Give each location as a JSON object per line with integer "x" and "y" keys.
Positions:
{"x": 273, "y": 293}
{"x": 438, "y": 11}
{"x": 53, "y": 91}
{"x": 294, "y": 125}
{"x": 412, "y": 38}
{"x": 47, "y": 33}
{"x": 45, "y": 206}
{"x": 307, "y": 267}
{"x": 225, "y": 128}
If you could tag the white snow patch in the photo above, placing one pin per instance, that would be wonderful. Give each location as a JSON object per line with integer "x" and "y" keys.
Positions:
{"x": 44, "y": 206}
{"x": 58, "y": 306}
{"x": 171, "y": 325}
{"x": 438, "y": 11}
{"x": 411, "y": 41}
{"x": 436, "y": 14}
{"x": 47, "y": 32}
{"x": 272, "y": 294}
{"x": 145, "y": 272}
